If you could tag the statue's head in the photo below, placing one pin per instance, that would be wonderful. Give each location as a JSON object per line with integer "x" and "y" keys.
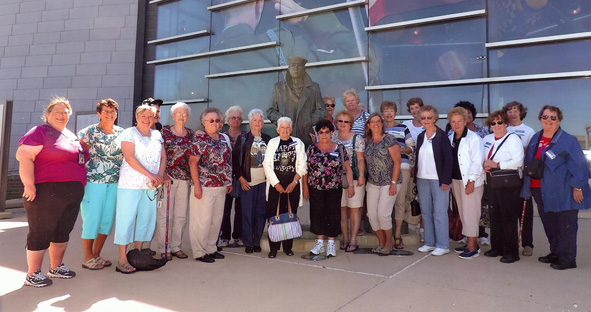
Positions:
{"x": 296, "y": 66}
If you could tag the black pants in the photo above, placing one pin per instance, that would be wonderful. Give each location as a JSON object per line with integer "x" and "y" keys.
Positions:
{"x": 325, "y": 212}
{"x": 527, "y": 236}
{"x": 226, "y": 225}
{"x": 294, "y": 198}
{"x": 504, "y": 210}
{"x": 560, "y": 227}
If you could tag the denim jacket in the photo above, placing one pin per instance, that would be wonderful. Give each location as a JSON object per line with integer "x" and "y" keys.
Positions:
{"x": 566, "y": 171}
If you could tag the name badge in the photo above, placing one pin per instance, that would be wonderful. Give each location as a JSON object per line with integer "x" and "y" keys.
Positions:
{"x": 550, "y": 154}
{"x": 487, "y": 144}
{"x": 335, "y": 154}
{"x": 81, "y": 158}
{"x": 294, "y": 143}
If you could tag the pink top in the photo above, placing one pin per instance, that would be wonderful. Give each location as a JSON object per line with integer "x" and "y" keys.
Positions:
{"x": 58, "y": 160}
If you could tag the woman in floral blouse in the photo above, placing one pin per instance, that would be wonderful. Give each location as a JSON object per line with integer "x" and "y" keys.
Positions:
{"x": 102, "y": 174}
{"x": 177, "y": 142}
{"x": 211, "y": 172}
{"x": 322, "y": 186}
{"x": 382, "y": 155}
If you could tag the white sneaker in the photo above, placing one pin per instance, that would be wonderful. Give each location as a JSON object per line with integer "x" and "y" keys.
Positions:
{"x": 318, "y": 248}
{"x": 440, "y": 251}
{"x": 426, "y": 248}
{"x": 331, "y": 251}
{"x": 462, "y": 241}
{"x": 483, "y": 241}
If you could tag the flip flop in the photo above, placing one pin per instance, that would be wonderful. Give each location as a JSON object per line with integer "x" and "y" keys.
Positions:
{"x": 351, "y": 248}
{"x": 344, "y": 246}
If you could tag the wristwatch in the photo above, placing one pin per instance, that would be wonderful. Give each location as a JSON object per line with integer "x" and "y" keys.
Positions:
{"x": 470, "y": 180}
{"x": 393, "y": 182}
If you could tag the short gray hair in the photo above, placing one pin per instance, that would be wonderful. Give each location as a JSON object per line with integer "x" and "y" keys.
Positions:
{"x": 211, "y": 110}
{"x": 180, "y": 105}
{"x": 234, "y": 108}
{"x": 283, "y": 120}
{"x": 256, "y": 112}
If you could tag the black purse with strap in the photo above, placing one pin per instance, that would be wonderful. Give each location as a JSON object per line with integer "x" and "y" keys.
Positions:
{"x": 503, "y": 178}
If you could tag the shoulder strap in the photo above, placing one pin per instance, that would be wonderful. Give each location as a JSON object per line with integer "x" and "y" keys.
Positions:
{"x": 241, "y": 147}
{"x": 227, "y": 138}
{"x": 505, "y": 139}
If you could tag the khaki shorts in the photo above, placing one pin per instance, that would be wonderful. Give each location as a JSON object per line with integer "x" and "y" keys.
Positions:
{"x": 355, "y": 201}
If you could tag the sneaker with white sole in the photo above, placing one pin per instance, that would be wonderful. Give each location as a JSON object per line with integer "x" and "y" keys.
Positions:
{"x": 37, "y": 279}
{"x": 224, "y": 243}
{"x": 483, "y": 241}
{"x": 462, "y": 241}
{"x": 467, "y": 254}
{"x": 331, "y": 250}
{"x": 461, "y": 249}
{"x": 440, "y": 251}
{"x": 61, "y": 271}
{"x": 238, "y": 242}
{"x": 318, "y": 248}
{"x": 426, "y": 248}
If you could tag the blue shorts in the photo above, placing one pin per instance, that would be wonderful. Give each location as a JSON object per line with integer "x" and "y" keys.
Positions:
{"x": 98, "y": 209}
{"x": 135, "y": 217}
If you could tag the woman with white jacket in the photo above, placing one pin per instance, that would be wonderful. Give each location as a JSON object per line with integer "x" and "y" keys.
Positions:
{"x": 285, "y": 164}
{"x": 503, "y": 150}
{"x": 467, "y": 182}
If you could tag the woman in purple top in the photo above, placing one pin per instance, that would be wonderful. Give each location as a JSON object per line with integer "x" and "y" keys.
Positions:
{"x": 52, "y": 169}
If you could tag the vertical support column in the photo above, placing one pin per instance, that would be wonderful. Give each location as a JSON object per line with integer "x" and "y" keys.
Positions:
{"x": 5, "y": 124}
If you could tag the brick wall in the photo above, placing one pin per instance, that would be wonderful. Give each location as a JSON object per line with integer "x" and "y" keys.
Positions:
{"x": 81, "y": 49}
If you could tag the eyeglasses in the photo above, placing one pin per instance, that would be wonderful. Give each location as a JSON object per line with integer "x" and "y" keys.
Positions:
{"x": 553, "y": 118}
{"x": 323, "y": 132}
{"x": 213, "y": 120}
{"x": 329, "y": 105}
{"x": 235, "y": 118}
{"x": 113, "y": 112}
{"x": 492, "y": 123}
{"x": 344, "y": 121}
{"x": 182, "y": 114}
{"x": 426, "y": 117}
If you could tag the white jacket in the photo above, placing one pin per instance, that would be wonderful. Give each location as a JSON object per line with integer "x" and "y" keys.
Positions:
{"x": 301, "y": 164}
{"x": 509, "y": 156}
{"x": 470, "y": 158}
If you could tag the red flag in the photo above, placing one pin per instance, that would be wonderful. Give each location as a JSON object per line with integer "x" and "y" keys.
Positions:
{"x": 376, "y": 11}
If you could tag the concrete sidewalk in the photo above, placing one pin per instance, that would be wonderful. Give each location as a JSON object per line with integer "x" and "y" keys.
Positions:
{"x": 349, "y": 282}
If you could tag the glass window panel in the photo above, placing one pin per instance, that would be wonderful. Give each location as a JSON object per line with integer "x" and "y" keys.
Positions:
{"x": 566, "y": 94}
{"x": 181, "y": 17}
{"x": 512, "y": 19}
{"x": 334, "y": 80}
{"x": 441, "y": 98}
{"x": 193, "y": 122}
{"x": 431, "y": 53}
{"x": 182, "y": 48}
{"x": 260, "y": 58}
{"x": 403, "y": 10}
{"x": 550, "y": 58}
{"x": 181, "y": 81}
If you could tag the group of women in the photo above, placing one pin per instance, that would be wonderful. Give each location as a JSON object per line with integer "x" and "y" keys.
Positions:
{"x": 108, "y": 173}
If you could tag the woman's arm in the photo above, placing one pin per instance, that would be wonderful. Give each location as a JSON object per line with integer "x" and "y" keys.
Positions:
{"x": 360, "y": 168}
{"x": 268, "y": 162}
{"x": 351, "y": 189}
{"x": 162, "y": 169}
{"x": 26, "y": 155}
{"x": 394, "y": 151}
{"x": 194, "y": 169}
{"x": 305, "y": 190}
{"x": 128, "y": 150}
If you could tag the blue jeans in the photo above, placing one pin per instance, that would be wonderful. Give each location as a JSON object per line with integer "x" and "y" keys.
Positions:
{"x": 253, "y": 214}
{"x": 434, "y": 204}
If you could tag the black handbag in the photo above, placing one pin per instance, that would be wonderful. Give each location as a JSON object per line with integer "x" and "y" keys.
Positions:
{"x": 534, "y": 169}
{"x": 344, "y": 181}
{"x": 503, "y": 178}
{"x": 415, "y": 207}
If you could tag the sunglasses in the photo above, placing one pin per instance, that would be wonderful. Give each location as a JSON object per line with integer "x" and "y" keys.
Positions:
{"x": 428, "y": 118}
{"x": 500, "y": 122}
{"x": 329, "y": 105}
{"x": 235, "y": 118}
{"x": 344, "y": 121}
{"x": 213, "y": 120}
{"x": 323, "y": 132}
{"x": 553, "y": 118}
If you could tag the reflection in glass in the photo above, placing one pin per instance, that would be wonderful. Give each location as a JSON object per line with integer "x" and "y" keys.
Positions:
{"x": 394, "y": 11}
{"x": 182, "y": 48}
{"x": 181, "y": 17}
{"x": 432, "y": 53}
{"x": 537, "y": 59}
{"x": 181, "y": 81}
{"x": 334, "y": 80}
{"x": 565, "y": 94}
{"x": 510, "y": 19}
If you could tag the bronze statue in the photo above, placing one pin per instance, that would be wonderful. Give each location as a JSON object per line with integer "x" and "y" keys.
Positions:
{"x": 299, "y": 98}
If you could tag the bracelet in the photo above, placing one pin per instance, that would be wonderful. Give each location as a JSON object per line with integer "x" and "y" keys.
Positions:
{"x": 578, "y": 189}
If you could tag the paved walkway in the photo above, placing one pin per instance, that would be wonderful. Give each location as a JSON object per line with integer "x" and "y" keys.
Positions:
{"x": 348, "y": 282}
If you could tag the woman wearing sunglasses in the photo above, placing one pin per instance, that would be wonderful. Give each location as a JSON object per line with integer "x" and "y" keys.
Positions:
{"x": 502, "y": 150}
{"x": 210, "y": 165}
{"x": 329, "y": 103}
{"x": 562, "y": 190}
{"x": 351, "y": 207}
{"x": 433, "y": 178}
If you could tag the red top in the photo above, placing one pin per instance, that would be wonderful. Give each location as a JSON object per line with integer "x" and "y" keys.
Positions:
{"x": 58, "y": 160}
{"x": 544, "y": 142}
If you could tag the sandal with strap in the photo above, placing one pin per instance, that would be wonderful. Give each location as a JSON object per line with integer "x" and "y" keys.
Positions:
{"x": 385, "y": 252}
{"x": 103, "y": 262}
{"x": 376, "y": 249}
{"x": 92, "y": 264}
{"x": 398, "y": 243}
{"x": 125, "y": 268}
{"x": 344, "y": 245}
{"x": 352, "y": 248}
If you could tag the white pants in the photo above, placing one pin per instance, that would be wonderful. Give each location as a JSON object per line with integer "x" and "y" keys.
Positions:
{"x": 206, "y": 219}
{"x": 379, "y": 206}
{"x": 177, "y": 216}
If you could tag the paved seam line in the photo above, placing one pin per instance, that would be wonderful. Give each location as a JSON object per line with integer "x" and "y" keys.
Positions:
{"x": 311, "y": 265}
{"x": 410, "y": 265}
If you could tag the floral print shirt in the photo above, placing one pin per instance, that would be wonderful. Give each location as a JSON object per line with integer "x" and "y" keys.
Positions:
{"x": 325, "y": 171}
{"x": 105, "y": 155}
{"x": 379, "y": 162}
{"x": 147, "y": 151}
{"x": 178, "y": 150}
{"x": 215, "y": 160}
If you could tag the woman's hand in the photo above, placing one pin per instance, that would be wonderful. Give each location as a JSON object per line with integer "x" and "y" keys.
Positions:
{"x": 291, "y": 187}
{"x": 306, "y": 192}
{"x": 351, "y": 191}
{"x": 393, "y": 190}
{"x": 361, "y": 180}
{"x": 30, "y": 192}
{"x": 156, "y": 179}
{"x": 244, "y": 184}
{"x": 444, "y": 187}
{"x": 279, "y": 188}
{"x": 229, "y": 189}
{"x": 489, "y": 164}
{"x": 197, "y": 192}
{"x": 578, "y": 195}
{"x": 469, "y": 187}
